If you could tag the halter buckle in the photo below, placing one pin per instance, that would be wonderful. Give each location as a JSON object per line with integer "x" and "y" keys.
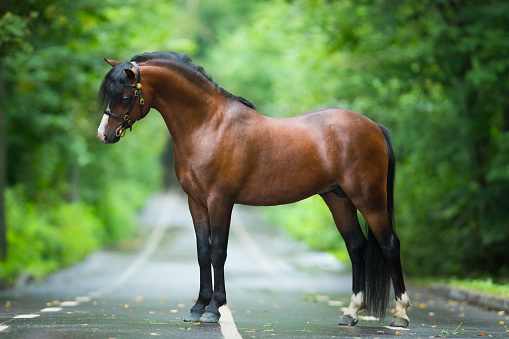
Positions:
{"x": 120, "y": 132}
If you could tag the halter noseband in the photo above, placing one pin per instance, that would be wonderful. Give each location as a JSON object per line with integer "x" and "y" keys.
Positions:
{"x": 126, "y": 121}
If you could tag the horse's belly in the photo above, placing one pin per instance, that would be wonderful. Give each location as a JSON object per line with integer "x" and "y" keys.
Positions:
{"x": 271, "y": 191}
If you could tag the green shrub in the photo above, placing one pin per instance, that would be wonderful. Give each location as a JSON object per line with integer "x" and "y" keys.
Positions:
{"x": 43, "y": 238}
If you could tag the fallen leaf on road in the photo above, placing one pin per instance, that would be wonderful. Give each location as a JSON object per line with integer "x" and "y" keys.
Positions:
{"x": 480, "y": 335}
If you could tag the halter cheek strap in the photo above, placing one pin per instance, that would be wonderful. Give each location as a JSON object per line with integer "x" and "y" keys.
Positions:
{"x": 126, "y": 121}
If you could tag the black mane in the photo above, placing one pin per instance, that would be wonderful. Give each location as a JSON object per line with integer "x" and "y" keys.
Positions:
{"x": 116, "y": 81}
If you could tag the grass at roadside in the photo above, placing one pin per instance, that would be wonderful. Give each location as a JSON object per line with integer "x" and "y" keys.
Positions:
{"x": 487, "y": 285}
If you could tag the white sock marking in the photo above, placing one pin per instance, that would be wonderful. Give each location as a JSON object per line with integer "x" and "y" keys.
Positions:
{"x": 355, "y": 305}
{"x": 401, "y": 307}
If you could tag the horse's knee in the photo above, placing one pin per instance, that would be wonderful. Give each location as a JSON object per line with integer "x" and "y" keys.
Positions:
{"x": 218, "y": 257}
{"x": 390, "y": 246}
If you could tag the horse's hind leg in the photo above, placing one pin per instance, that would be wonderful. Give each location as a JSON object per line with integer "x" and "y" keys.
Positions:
{"x": 383, "y": 232}
{"x": 345, "y": 218}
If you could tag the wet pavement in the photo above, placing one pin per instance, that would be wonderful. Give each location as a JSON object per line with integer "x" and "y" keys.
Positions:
{"x": 276, "y": 288}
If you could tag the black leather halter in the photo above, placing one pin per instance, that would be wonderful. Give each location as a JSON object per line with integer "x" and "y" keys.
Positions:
{"x": 126, "y": 121}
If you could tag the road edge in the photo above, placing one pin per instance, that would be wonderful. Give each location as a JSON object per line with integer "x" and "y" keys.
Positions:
{"x": 487, "y": 300}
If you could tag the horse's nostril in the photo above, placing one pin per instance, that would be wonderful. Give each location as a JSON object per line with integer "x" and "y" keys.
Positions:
{"x": 102, "y": 137}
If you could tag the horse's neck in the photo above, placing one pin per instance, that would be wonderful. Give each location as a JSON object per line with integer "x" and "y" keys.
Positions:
{"x": 185, "y": 106}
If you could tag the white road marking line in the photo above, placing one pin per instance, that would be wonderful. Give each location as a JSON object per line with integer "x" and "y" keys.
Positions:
{"x": 228, "y": 327}
{"x": 52, "y": 309}
{"x": 83, "y": 299}
{"x": 26, "y": 316}
{"x": 150, "y": 246}
{"x": 368, "y": 318}
{"x": 252, "y": 248}
{"x": 3, "y": 328}
{"x": 69, "y": 303}
{"x": 397, "y": 328}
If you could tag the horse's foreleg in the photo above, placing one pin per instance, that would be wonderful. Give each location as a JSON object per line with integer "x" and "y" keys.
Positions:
{"x": 220, "y": 216}
{"x": 202, "y": 231}
{"x": 345, "y": 218}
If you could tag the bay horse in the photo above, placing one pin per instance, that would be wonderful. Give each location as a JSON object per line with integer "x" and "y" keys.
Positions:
{"x": 227, "y": 153}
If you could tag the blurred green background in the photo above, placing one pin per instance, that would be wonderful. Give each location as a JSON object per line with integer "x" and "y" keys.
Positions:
{"x": 435, "y": 72}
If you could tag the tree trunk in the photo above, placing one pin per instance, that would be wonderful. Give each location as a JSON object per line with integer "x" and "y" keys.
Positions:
{"x": 3, "y": 168}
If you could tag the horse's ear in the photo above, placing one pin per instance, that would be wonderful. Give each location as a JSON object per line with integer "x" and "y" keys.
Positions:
{"x": 112, "y": 63}
{"x": 130, "y": 74}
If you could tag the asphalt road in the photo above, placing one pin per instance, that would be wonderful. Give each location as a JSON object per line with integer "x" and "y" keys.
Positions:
{"x": 276, "y": 288}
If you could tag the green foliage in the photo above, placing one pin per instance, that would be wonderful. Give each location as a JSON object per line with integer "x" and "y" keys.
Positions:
{"x": 52, "y": 63}
{"x": 13, "y": 30}
{"x": 44, "y": 238}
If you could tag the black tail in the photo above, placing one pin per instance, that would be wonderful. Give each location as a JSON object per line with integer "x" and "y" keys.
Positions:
{"x": 378, "y": 277}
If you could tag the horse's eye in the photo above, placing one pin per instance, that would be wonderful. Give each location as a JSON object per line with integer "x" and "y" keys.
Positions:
{"x": 126, "y": 100}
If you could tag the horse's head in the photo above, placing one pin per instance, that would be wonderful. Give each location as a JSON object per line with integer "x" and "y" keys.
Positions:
{"x": 121, "y": 97}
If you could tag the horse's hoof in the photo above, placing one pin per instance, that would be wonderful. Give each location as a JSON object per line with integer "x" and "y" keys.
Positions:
{"x": 193, "y": 317}
{"x": 399, "y": 322}
{"x": 347, "y": 320}
{"x": 209, "y": 317}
